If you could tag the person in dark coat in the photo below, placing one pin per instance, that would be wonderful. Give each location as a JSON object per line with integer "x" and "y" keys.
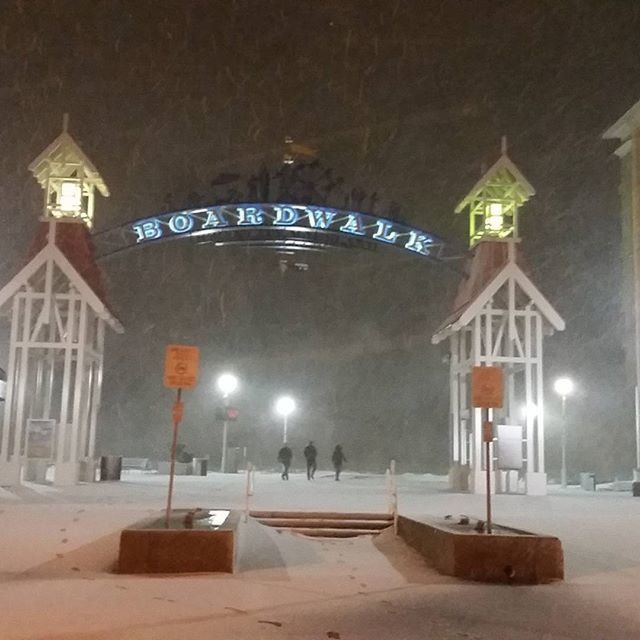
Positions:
{"x": 310, "y": 455}
{"x": 284, "y": 455}
{"x": 338, "y": 458}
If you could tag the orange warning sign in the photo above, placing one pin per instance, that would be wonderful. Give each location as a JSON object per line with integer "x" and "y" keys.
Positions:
{"x": 181, "y": 366}
{"x": 486, "y": 387}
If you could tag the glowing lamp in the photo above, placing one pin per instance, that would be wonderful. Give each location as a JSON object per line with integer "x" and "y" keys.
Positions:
{"x": 494, "y": 217}
{"x": 563, "y": 387}
{"x": 285, "y": 406}
{"x": 494, "y": 201}
{"x": 227, "y": 384}
{"x": 70, "y": 196}
{"x": 530, "y": 410}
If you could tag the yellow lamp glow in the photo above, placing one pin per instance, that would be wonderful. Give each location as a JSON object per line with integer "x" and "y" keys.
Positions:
{"x": 70, "y": 196}
{"x": 494, "y": 219}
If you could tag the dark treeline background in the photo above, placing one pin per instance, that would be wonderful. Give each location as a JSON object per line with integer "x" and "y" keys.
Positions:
{"x": 182, "y": 102}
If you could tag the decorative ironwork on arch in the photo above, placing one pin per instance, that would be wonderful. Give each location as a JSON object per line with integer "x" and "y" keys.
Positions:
{"x": 274, "y": 225}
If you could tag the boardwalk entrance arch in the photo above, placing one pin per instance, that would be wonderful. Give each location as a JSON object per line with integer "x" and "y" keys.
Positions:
{"x": 275, "y": 225}
{"x": 58, "y": 312}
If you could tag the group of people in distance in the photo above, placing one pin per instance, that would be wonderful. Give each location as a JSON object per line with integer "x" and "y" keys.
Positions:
{"x": 310, "y": 455}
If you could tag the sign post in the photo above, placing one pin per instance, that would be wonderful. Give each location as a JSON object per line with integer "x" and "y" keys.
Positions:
{"x": 180, "y": 372}
{"x": 487, "y": 387}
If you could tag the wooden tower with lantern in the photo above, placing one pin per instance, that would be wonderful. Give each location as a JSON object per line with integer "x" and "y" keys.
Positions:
{"x": 494, "y": 202}
{"x": 57, "y": 311}
{"x": 499, "y": 318}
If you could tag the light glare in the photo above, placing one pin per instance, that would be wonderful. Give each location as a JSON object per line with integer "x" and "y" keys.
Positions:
{"x": 227, "y": 383}
{"x": 494, "y": 220}
{"x": 285, "y": 405}
{"x": 70, "y": 195}
{"x": 563, "y": 386}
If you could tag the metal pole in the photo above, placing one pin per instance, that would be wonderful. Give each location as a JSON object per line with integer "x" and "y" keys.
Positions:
{"x": 485, "y": 424}
{"x": 284, "y": 433}
{"x": 488, "y": 463}
{"x": 563, "y": 471}
{"x": 176, "y": 422}
{"x": 637, "y": 430}
{"x": 223, "y": 460}
{"x": 635, "y": 237}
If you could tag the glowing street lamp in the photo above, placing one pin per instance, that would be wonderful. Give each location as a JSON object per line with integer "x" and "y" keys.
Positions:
{"x": 563, "y": 387}
{"x": 530, "y": 411}
{"x": 285, "y": 406}
{"x": 227, "y": 384}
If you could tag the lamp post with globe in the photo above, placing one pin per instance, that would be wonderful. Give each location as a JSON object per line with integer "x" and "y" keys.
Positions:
{"x": 563, "y": 387}
{"x": 285, "y": 406}
{"x": 227, "y": 384}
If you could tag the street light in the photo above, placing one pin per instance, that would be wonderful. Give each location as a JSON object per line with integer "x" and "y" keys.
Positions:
{"x": 530, "y": 410}
{"x": 563, "y": 387}
{"x": 285, "y": 405}
{"x": 227, "y": 384}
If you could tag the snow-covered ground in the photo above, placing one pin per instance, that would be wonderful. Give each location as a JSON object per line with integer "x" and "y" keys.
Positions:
{"x": 58, "y": 544}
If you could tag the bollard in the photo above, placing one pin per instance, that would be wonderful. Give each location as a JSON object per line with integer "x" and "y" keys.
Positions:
{"x": 393, "y": 494}
{"x": 248, "y": 490}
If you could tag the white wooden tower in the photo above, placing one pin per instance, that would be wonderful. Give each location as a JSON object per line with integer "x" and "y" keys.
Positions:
{"x": 500, "y": 318}
{"x": 57, "y": 313}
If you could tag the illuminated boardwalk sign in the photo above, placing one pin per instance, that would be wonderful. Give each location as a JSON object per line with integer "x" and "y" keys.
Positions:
{"x": 294, "y": 224}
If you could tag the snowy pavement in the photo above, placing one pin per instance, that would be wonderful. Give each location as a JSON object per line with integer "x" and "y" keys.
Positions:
{"x": 59, "y": 544}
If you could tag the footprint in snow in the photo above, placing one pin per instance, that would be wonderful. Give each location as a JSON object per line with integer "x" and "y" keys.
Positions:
{"x": 273, "y": 622}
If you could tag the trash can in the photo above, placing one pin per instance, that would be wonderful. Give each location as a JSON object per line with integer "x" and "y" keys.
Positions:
{"x": 110, "y": 468}
{"x": 588, "y": 481}
{"x": 35, "y": 470}
{"x": 199, "y": 466}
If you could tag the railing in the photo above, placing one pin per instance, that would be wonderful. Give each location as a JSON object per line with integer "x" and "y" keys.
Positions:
{"x": 392, "y": 494}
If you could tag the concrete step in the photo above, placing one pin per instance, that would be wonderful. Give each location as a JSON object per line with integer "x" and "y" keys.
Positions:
{"x": 323, "y": 515}
{"x": 331, "y": 533}
{"x": 324, "y": 523}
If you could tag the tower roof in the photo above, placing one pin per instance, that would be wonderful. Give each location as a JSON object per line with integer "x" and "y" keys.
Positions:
{"x": 503, "y": 173}
{"x": 625, "y": 125}
{"x": 72, "y": 253}
{"x": 492, "y": 264}
{"x": 65, "y": 150}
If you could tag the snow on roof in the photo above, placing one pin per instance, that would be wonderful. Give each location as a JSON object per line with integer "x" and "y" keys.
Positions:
{"x": 65, "y": 149}
{"x": 490, "y": 268}
{"x": 73, "y": 254}
{"x": 625, "y": 125}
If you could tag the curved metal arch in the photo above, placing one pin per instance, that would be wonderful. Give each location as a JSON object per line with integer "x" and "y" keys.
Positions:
{"x": 275, "y": 225}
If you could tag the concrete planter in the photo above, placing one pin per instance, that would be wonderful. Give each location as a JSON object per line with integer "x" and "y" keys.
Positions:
{"x": 507, "y": 556}
{"x": 181, "y": 469}
{"x": 149, "y": 547}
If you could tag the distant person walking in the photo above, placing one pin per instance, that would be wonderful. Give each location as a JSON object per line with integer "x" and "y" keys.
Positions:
{"x": 338, "y": 458}
{"x": 310, "y": 455}
{"x": 284, "y": 456}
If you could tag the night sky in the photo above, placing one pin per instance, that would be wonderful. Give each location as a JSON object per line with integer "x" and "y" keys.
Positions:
{"x": 405, "y": 102}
